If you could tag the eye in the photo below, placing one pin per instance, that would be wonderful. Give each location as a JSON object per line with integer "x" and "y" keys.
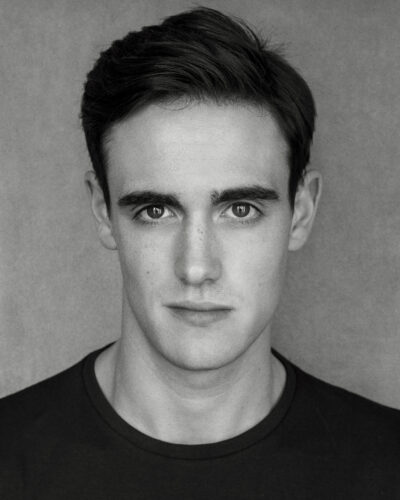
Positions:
{"x": 153, "y": 213}
{"x": 242, "y": 210}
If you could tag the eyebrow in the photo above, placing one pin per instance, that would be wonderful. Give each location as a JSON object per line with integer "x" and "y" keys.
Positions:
{"x": 244, "y": 193}
{"x": 254, "y": 192}
{"x": 136, "y": 198}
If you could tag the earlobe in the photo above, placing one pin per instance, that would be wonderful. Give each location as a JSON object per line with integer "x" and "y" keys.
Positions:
{"x": 305, "y": 208}
{"x": 100, "y": 211}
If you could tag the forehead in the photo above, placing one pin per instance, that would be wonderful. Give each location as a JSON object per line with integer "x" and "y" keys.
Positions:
{"x": 202, "y": 146}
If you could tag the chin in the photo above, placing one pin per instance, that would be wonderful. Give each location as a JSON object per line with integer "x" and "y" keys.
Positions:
{"x": 202, "y": 364}
{"x": 205, "y": 357}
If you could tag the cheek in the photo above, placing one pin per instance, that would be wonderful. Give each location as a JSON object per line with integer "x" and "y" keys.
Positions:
{"x": 143, "y": 265}
{"x": 259, "y": 267}
{"x": 259, "y": 258}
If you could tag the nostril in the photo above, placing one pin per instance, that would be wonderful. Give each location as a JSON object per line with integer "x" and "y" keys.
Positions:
{"x": 196, "y": 271}
{"x": 197, "y": 256}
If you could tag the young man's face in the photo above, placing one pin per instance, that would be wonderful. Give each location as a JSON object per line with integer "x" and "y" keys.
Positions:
{"x": 202, "y": 223}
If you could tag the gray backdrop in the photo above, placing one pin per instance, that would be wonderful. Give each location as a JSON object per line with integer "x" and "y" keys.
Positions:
{"x": 60, "y": 290}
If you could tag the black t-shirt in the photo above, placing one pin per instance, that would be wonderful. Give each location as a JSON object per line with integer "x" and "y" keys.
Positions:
{"x": 62, "y": 440}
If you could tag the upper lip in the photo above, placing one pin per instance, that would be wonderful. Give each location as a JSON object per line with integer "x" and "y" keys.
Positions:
{"x": 199, "y": 306}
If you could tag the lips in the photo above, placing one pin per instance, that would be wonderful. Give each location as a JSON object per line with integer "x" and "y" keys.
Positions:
{"x": 199, "y": 306}
{"x": 200, "y": 314}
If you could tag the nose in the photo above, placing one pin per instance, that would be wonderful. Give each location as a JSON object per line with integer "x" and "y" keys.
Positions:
{"x": 197, "y": 261}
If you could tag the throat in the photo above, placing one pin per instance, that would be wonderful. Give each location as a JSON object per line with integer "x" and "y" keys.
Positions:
{"x": 208, "y": 409}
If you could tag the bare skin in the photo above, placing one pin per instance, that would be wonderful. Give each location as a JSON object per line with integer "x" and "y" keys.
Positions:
{"x": 191, "y": 408}
{"x": 202, "y": 223}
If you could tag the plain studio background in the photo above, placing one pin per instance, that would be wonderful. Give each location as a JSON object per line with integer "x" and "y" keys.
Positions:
{"x": 60, "y": 290}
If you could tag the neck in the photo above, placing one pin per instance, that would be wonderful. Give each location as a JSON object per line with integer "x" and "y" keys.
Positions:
{"x": 190, "y": 407}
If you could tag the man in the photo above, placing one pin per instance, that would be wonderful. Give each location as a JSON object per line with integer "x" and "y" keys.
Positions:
{"x": 199, "y": 137}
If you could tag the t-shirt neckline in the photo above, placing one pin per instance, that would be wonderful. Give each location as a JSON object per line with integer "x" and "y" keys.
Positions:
{"x": 260, "y": 431}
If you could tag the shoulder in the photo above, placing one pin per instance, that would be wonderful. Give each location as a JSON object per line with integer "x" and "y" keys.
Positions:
{"x": 350, "y": 443}
{"x": 344, "y": 403}
{"x": 355, "y": 424}
{"x": 34, "y": 423}
{"x": 30, "y": 411}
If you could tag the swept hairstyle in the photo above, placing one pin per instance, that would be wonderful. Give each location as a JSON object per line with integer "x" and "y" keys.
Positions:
{"x": 198, "y": 55}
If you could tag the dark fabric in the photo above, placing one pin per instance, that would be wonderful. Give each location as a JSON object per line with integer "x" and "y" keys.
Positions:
{"x": 61, "y": 440}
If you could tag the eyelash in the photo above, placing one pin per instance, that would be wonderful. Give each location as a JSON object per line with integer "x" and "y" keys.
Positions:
{"x": 149, "y": 222}
{"x": 245, "y": 220}
{"x": 154, "y": 222}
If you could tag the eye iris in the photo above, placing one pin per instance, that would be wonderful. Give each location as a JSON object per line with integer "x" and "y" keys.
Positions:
{"x": 241, "y": 209}
{"x": 155, "y": 212}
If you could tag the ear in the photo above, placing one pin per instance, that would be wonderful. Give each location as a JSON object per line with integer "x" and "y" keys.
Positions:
{"x": 305, "y": 208}
{"x": 100, "y": 211}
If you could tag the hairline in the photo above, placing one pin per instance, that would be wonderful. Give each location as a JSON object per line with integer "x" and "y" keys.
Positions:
{"x": 186, "y": 102}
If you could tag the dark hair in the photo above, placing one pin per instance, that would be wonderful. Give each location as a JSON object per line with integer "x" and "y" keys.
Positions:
{"x": 200, "y": 54}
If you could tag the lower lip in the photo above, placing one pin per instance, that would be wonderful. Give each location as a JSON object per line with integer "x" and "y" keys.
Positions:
{"x": 200, "y": 318}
